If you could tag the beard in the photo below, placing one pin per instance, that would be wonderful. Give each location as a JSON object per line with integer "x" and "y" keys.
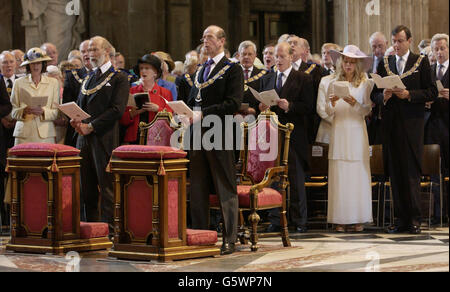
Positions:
{"x": 99, "y": 62}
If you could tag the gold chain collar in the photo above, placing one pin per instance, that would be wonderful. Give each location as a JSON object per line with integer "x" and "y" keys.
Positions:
{"x": 189, "y": 80}
{"x": 310, "y": 69}
{"x": 77, "y": 77}
{"x": 211, "y": 81}
{"x": 254, "y": 78}
{"x": 409, "y": 73}
{"x": 84, "y": 91}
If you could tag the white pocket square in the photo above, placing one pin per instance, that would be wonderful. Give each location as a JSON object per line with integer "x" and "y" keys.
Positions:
{"x": 108, "y": 85}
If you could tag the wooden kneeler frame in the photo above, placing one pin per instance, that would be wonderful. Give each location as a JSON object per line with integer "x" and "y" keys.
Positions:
{"x": 53, "y": 237}
{"x": 157, "y": 245}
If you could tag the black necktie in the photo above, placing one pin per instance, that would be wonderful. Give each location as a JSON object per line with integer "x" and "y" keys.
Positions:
{"x": 9, "y": 86}
{"x": 97, "y": 74}
{"x": 440, "y": 74}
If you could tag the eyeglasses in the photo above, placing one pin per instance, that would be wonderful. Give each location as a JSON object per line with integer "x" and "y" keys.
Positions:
{"x": 207, "y": 38}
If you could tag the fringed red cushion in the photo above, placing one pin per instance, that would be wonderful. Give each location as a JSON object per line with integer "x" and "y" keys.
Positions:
{"x": 43, "y": 150}
{"x": 93, "y": 230}
{"x": 148, "y": 152}
{"x": 201, "y": 237}
{"x": 268, "y": 197}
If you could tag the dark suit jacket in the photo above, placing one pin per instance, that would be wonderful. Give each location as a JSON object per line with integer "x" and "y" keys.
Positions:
{"x": 225, "y": 96}
{"x": 436, "y": 129}
{"x": 411, "y": 113}
{"x": 5, "y": 109}
{"x": 70, "y": 94}
{"x": 313, "y": 119}
{"x": 298, "y": 90}
{"x": 106, "y": 108}
{"x": 256, "y": 85}
{"x": 184, "y": 87}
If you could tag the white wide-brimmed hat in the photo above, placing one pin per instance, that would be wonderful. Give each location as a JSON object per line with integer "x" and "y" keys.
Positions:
{"x": 354, "y": 52}
{"x": 35, "y": 55}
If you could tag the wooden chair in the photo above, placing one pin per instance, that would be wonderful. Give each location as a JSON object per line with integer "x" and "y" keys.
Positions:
{"x": 431, "y": 166}
{"x": 160, "y": 130}
{"x": 318, "y": 173}
{"x": 259, "y": 173}
{"x": 378, "y": 176}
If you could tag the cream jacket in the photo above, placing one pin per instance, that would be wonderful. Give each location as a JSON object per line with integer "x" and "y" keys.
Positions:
{"x": 44, "y": 123}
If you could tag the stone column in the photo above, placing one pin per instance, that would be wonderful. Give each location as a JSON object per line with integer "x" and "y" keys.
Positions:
{"x": 6, "y": 28}
{"x": 179, "y": 28}
{"x": 354, "y": 25}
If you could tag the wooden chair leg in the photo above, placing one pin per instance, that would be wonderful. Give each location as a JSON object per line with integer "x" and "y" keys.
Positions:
{"x": 284, "y": 230}
{"x": 242, "y": 232}
{"x": 254, "y": 220}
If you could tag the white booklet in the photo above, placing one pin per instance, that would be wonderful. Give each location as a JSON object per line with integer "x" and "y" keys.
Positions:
{"x": 389, "y": 82}
{"x": 269, "y": 98}
{"x": 180, "y": 108}
{"x": 33, "y": 101}
{"x": 73, "y": 111}
{"x": 341, "y": 89}
{"x": 440, "y": 87}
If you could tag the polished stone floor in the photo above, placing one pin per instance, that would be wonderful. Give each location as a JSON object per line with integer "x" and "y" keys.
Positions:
{"x": 316, "y": 251}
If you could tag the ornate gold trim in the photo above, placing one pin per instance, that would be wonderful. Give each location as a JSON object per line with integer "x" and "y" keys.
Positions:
{"x": 404, "y": 75}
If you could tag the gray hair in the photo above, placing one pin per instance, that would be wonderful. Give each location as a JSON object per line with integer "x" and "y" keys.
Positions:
{"x": 245, "y": 44}
{"x": 5, "y": 53}
{"x": 377, "y": 35}
{"x": 438, "y": 37}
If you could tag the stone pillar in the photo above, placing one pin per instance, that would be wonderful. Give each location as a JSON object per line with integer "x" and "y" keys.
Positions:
{"x": 353, "y": 25}
{"x": 319, "y": 25}
{"x": 6, "y": 28}
{"x": 179, "y": 28}
{"x": 438, "y": 17}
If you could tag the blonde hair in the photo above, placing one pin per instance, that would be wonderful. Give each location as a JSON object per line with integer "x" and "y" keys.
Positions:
{"x": 359, "y": 75}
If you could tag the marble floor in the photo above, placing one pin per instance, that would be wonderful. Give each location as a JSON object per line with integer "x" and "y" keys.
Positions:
{"x": 316, "y": 251}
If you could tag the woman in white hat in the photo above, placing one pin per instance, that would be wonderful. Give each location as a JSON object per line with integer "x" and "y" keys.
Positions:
{"x": 350, "y": 192}
{"x": 35, "y": 123}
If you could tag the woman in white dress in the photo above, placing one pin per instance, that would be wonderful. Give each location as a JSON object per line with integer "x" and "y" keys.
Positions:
{"x": 350, "y": 192}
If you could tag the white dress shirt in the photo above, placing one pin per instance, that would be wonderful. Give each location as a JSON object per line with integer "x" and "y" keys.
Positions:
{"x": 250, "y": 70}
{"x": 285, "y": 75}
{"x": 296, "y": 65}
{"x": 104, "y": 67}
{"x": 446, "y": 63}
{"x": 216, "y": 61}
{"x": 405, "y": 60}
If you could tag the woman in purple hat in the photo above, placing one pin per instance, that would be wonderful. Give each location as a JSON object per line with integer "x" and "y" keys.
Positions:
{"x": 349, "y": 192}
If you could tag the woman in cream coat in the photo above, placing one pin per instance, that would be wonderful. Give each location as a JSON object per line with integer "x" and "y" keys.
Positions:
{"x": 350, "y": 192}
{"x": 35, "y": 124}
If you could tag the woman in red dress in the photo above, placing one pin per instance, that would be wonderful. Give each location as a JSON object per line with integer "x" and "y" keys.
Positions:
{"x": 149, "y": 69}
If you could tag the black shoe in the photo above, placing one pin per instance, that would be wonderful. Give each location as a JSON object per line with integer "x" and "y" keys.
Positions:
{"x": 273, "y": 228}
{"x": 415, "y": 229}
{"x": 397, "y": 229}
{"x": 227, "y": 249}
{"x": 301, "y": 229}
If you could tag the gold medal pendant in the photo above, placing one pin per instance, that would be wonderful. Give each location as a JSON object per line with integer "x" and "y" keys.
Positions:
{"x": 199, "y": 96}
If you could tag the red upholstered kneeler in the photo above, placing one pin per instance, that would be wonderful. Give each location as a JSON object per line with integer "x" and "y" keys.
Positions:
{"x": 45, "y": 213}
{"x": 150, "y": 206}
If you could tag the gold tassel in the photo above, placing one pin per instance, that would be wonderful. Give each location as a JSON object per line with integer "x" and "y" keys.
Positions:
{"x": 54, "y": 165}
{"x": 108, "y": 167}
{"x": 7, "y": 167}
{"x": 161, "y": 170}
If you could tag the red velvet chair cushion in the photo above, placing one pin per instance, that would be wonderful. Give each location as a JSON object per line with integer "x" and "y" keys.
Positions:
{"x": 263, "y": 150}
{"x": 148, "y": 152}
{"x": 43, "y": 150}
{"x": 93, "y": 230}
{"x": 268, "y": 197}
{"x": 159, "y": 134}
{"x": 201, "y": 237}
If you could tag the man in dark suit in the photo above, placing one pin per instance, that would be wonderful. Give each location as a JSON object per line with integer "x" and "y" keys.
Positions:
{"x": 252, "y": 76}
{"x": 5, "y": 109}
{"x": 403, "y": 127}
{"x": 218, "y": 92}
{"x": 301, "y": 52}
{"x": 436, "y": 129}
{"x": 72, "y": 85}
{"x": 104, "y": 96}
{"x": 295, "y": 90}
{"x": 379, "y": 45}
